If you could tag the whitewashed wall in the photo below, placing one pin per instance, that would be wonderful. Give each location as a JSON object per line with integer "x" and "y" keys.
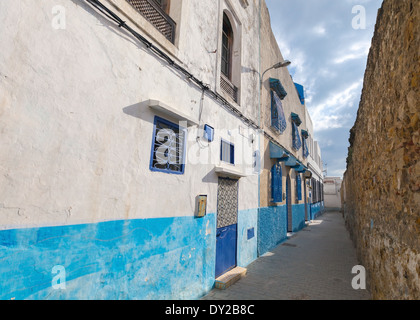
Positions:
{"x": 75, "y": 131}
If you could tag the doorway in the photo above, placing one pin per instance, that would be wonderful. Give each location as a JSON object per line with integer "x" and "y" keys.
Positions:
{"x": 289, "y": 204}
{"x": 227, "y": 225}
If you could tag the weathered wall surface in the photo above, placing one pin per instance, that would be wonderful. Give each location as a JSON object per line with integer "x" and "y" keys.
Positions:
{"x": 76, "y": 187}
{"x": 332, "y": 192}
{"x": 382, "y": 182}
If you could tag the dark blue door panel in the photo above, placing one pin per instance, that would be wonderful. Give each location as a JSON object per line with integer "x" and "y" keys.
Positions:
{"x": 226, "y": 249}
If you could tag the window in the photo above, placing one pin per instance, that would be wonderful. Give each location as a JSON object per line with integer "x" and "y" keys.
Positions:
{"x": 278, "y": 120}
{"x": 157, "y": 13}
{"x": 313, "y": 184}
{"x": 296, "y": 122}
{"x": 305, "y": 150}
{"x": 227, "y": 152}
{"x": 168, "y": 147}
{"x": 227, "y": 81}
{"x": 297, "y": 143}
{"x": 276, "y": 183}
{"x": 298, "y": 187}
{"x": 227, "y": 44}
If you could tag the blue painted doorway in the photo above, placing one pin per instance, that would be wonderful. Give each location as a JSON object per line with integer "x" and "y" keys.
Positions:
{"x": 227, "y": 225}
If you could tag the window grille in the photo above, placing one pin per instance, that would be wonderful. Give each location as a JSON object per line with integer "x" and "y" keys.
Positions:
{"x": 168, "y": 147}
{"x": 154, "y": 12}
{"x": 229, "y": 88}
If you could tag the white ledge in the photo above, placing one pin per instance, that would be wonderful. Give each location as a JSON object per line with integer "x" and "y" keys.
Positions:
{"x": 172, "y": 112}
{"x": 229, "y": 172}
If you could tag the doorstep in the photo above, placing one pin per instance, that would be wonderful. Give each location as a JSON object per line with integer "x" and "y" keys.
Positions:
{"x": 229, "y": 278}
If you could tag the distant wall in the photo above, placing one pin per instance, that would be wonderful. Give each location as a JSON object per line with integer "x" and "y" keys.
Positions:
{"x": 332, "y": 194}
{"x": 382, "y": 183}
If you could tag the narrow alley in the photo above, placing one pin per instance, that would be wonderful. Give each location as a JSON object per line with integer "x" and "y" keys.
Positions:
{"x": 313, "y": 264}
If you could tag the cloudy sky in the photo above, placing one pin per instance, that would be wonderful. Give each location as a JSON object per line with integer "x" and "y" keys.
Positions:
{"x": 328, "y": 46}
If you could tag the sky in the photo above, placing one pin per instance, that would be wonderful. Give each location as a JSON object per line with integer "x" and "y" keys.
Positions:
{"x": 327, "y": 42}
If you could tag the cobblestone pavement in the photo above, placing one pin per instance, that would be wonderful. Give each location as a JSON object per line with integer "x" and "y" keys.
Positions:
{"x": 313, "y": 264}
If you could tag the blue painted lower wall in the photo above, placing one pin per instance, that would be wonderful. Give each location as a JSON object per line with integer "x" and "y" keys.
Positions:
{"x": 168, "y": 258}
{"x": 163, "y": 258}
{"x": 317, "y": 209}
{"x": 247, "y": 248}
{"x": 272, "y": 228}
{"x": 298, "y": 213}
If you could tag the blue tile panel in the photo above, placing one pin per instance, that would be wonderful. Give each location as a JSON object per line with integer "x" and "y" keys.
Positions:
{"x": 167, "y": 258}
{"x": 298, "y": 213}
{"x": 272, "y": 228}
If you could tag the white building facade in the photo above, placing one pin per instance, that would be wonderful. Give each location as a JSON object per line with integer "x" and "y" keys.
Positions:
{"x": 131, "y": 146}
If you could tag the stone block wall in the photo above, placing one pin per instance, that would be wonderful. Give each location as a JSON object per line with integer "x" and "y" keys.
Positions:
{"x": 381, "y": 188}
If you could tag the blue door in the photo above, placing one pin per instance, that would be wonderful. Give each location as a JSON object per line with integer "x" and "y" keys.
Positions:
{"x": 226, "y": 249}
{"x": 227, "y": 225}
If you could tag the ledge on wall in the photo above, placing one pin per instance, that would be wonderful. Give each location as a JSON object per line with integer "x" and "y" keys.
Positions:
{"x": 172, "y": 112}
{"x": 226, "y": 171}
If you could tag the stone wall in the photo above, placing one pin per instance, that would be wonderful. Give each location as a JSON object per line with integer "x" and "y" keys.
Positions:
{"x": 381, "y": 187}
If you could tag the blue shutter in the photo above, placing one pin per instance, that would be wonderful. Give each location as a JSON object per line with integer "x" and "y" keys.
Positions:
{"x": 297, "y": 143}
{"x": 276, "y": 183}
{"x": 305, "y": 149}
{"x": 275, "y": 85}
{"x": 232, "y": 154}
{"x": 278, "y": 120}
{"x": 299, "y": 187}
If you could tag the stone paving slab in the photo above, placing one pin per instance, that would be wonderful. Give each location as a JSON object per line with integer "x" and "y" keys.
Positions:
{"x": 313, "y": 264}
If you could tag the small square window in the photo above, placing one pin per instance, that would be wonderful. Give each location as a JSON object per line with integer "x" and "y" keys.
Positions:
{"x": 227, "y": 152}
{"x": 168, "y": 147}
{"x": 208, "y": 133}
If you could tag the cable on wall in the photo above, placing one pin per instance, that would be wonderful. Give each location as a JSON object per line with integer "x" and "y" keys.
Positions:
{"x": 202, "y": 86}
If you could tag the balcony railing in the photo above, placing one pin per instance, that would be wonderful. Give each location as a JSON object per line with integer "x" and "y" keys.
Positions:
{"x": 156, "y": 16}
{"x": 229, "y": 88}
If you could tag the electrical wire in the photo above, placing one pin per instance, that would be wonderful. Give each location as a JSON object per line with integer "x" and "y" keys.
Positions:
{"x": 203, "y": 87}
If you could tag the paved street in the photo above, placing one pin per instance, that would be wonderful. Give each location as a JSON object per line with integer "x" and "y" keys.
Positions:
{"x": 313, "y": 264}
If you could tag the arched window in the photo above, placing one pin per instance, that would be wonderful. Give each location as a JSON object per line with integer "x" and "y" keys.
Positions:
{"x": 227, "y": 45}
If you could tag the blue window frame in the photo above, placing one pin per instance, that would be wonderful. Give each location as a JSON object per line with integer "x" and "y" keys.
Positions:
{"x": 298, "y": 187}
{"x": 168, "y": 147}
{"x": 276, "y": 183}
{"x": 227, "y": 152}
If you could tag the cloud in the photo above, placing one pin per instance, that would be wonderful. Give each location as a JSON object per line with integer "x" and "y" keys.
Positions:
{"x": 328, "y": 58}
{"x": 319, "y": 30}
{"x": 358, "y": 50}
{"x": 329, "y": 113}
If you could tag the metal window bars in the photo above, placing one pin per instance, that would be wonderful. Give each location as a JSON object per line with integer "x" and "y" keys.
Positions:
{"x": 153, "y": 12}
{"x": 230, "y": 89}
